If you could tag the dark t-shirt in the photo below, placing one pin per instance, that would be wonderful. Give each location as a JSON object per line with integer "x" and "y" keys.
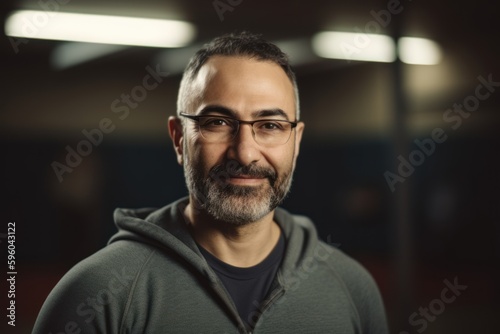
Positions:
{"x": 248, "y": 286}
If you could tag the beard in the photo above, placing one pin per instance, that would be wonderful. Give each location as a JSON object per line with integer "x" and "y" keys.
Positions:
{"x": 235, "y": 204}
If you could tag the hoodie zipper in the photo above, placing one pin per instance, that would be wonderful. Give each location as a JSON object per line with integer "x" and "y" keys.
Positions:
{"x": 276, "y": 294}
{"x": 229, "y": 302}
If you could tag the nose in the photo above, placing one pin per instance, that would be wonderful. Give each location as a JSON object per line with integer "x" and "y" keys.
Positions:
{"x": 243, "y": 147}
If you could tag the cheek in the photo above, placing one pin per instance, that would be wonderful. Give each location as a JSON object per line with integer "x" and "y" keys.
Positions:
{"x": 205, "y": 156}
{"x": 281, "y": 158}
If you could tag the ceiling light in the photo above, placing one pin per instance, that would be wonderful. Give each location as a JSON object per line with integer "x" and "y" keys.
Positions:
{"x": 99, "y": 29}
{"x": 419, "y": 51}
{"x": 354, "y": 46}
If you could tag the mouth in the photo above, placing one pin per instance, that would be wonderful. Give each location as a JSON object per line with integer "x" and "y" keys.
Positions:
{"x": 246, "y": 180}
{"x": 233, "y": 173}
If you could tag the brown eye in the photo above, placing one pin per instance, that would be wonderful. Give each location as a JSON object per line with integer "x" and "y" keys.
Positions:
{"x": 214, "y": 122}
{"x": 270, "y": 126}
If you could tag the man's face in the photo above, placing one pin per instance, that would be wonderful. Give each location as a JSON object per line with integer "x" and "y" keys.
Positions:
{"x": 239, "y": 181}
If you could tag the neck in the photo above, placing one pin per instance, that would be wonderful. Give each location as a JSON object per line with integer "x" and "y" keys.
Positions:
{"x": 237, "y": 245}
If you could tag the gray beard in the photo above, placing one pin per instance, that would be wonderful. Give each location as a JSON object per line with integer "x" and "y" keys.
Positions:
{"x": 237, "y": 205}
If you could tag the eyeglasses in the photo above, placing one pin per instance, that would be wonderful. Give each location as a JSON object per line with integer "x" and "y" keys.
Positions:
{"x": 221, "y": 129}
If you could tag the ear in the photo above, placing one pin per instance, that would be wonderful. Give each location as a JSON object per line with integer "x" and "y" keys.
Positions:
{"x": 175, "y": 130}
{"x": 299, "y": 129}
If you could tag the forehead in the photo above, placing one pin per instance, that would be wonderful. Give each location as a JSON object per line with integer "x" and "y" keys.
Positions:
{"x": 245, "y": 86}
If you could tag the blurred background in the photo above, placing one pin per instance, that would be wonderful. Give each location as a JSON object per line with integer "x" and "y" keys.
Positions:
{"x": 398, "y": 166}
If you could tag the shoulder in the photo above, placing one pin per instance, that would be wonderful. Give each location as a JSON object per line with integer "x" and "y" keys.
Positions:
{"x": 120, "y": 260}
{"x": 303, "y": 239}
{"x": 360, "y": 286}
{"x": 347, "y": 268}
{"x": 93, "y": 295}
{"x": 357, "y": 283}
{"x": 301, "y": 232}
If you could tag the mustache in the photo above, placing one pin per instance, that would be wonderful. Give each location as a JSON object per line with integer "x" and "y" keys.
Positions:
{"x": 232, "y": 168}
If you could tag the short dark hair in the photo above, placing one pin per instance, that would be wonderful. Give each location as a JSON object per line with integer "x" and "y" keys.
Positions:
{"x": 235, "y": 44}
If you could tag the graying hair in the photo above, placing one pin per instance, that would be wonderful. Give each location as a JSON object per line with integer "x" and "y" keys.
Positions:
{"x": 241, "y": 44}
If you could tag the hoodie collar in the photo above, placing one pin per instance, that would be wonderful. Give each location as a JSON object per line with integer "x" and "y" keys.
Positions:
{"x": 166, "y": 228}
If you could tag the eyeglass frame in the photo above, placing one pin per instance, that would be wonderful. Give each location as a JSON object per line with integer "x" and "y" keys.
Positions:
{"x": 239, "y": 122}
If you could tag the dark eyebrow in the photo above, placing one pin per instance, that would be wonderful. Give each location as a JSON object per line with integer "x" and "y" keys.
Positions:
{"x": 270, "y": 112}
{"x": 231, "y": 113}
{"x": 217, "y": 108}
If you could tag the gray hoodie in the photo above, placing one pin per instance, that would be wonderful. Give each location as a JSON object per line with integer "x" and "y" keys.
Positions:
{"x": 151, "y": 278}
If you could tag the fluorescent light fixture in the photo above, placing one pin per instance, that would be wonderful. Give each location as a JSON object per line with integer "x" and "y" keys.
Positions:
{"x": 99, "y": 29}
{"x": 354, "y": 46}
{"x": 419, "y": 51}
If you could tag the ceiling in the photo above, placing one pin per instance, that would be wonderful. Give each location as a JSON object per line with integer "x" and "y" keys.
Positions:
{"x": 38, "y": 96}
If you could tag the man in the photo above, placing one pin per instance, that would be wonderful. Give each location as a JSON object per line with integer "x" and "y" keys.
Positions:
{"x": 225, "y": 259}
